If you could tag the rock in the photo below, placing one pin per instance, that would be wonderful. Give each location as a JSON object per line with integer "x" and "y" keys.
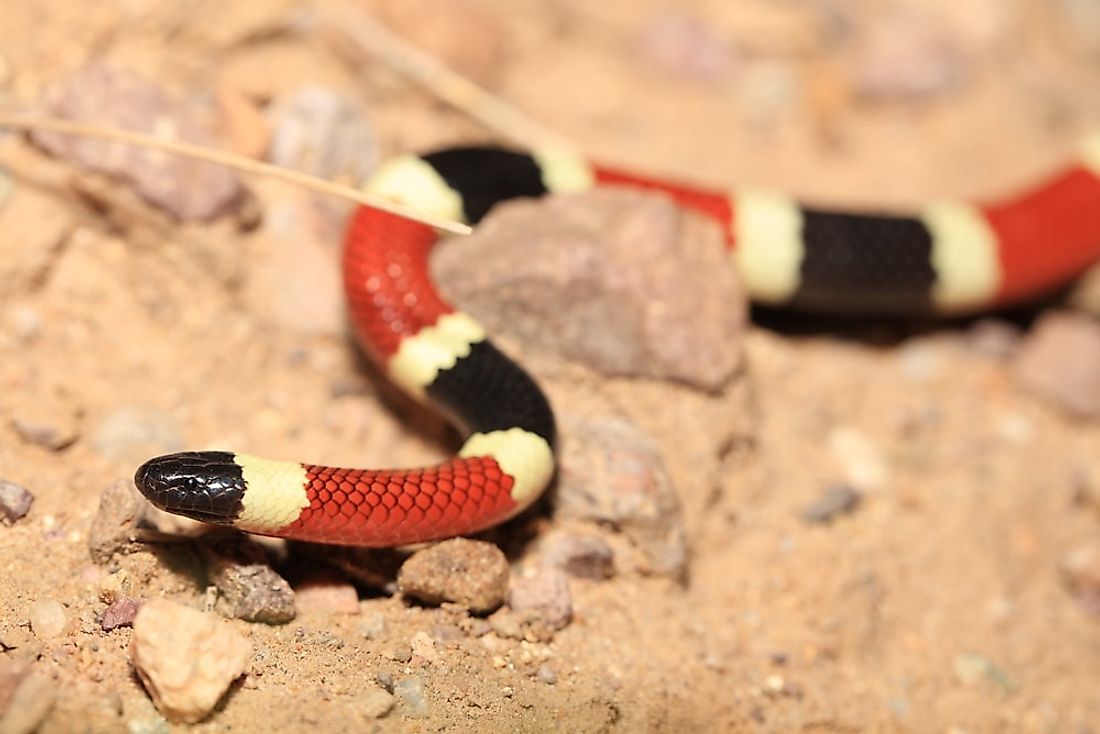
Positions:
{"x": 410, "y": 691}
{"x": 859, "y": 458}
{"x": 26, "y": 697}
{"x": 47, "y": 618}
{"x": 323, "y": 133}
{"x": 373, "y": 625}
{"x": 834, "y": 501}
{"x": 46, "y": 422}
{"x": 903, "y": 55}
{"x": 327, "y": 593}
{"x": 103, "y": 94}
{"x": 541, "y": 603}
{"x": 993, "y": 339}
{"x": 114, "y": 528}
{"x": 185, "y": 659}
{"x": 41, "y": 225}
{"x": 608, "y": 285}
{"x": 471, "y": 573}
{"x": 1060, "y": 362}
{"x": 130, "y": 434}
{"x": 423, "y": 645}
{"x": 15, "y": 500}
{"x": 612, "y": 473}
{"x": 374, "y": 703}
{"x": 546, "y": 675}
{"x": 120, "y": 613}
{"x": 1081, "y": 572}
{"x": 972, "y": 668}
{"x": 583, "y": 556}
{"x": 685, "y": 45}
{"x": 241, "y": 571}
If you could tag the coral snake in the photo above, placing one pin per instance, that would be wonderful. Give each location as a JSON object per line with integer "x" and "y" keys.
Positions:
{"x": 949, "y": 258}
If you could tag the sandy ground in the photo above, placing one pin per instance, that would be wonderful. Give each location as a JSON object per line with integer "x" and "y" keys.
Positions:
{"x": 937, "y": 605}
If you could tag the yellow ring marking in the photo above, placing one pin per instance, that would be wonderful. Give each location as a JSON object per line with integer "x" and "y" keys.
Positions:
{"x": 525, "y": 456}
{"x": 563, "y": 171}
{"x": 768, "y": 249}
{"x": 411, "y": 180}
{"x": 421, "y": 357}
{"x": 1091, "y": 153}
{"x": 275, "y": 493}
{"x": 964, "y": 256}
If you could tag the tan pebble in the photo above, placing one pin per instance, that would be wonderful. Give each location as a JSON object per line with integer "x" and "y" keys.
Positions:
{"x": 423, "y": 645}
{"x": 186, "y": 659}
{"x": 47, "y": 618}
{"x": 375, "y": 703}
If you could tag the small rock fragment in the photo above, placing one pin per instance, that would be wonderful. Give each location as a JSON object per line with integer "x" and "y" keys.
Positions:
{"x": 374, "y": 703}
{"x": 859, "y": 458}
{"x": 103, "y": 94}
{"x": 26, "y": 696}
{"x": 120, "y": 613}
{"x": 1060, "y": 362}
{"x": 320, "y": 132}
{"x": 130, "y": 434}
{"x": 327, "y": 593}
{"x": 373, "y": 625}
{"x": 1081, "y": 572}
{"x": 541, "y": 603}
{"x": 423, "y": 645}
{"x": 46, "y": 423}
{"x": 115, "y": 525}
{"x": 993, "y": 339}
{"x": 47, "y": 618}
{"x": 471, "y": 573}
{"x": 905, "y": 56}
{"x": 15, "y": 500}
{"x": 611, "y": 472}
{"x": 185, "y": 659}
{"x": 546, "y": 674}
{"x": 242, "y": 573}
{"x": 583, "y": 556}
{"x": 833, "y": 502}
{"x": 411, "y": 693}
{"x": 687, "y": 46}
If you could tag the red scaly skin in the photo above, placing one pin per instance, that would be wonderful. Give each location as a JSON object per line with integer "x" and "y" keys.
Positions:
{"x": 380, "y": 508}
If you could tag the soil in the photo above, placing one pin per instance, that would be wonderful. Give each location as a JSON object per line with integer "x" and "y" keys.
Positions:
{"x": 936, "y": 604}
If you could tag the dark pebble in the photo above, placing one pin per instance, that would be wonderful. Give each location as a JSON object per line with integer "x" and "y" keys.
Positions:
{"x": 834, "y": 501}
{"x": 15, "y": 500}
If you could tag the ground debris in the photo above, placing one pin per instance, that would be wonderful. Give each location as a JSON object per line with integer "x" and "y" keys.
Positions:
{"x": 471, "y": 573}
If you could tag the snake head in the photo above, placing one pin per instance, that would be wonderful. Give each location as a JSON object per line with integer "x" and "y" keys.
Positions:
{"x": 201, "y": 485}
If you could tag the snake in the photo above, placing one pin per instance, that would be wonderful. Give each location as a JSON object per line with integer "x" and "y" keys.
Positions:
{"x": 947, "y": 258}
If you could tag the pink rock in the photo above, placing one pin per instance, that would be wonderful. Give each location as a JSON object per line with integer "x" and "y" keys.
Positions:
{"x": 1060, "y": 362}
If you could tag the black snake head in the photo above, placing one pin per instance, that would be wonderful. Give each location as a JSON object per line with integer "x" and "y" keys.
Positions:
{"x": 201, "y": 485}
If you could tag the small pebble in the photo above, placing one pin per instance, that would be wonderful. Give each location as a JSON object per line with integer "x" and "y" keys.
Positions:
{"x": 546, "y": 675}
{"x": 47, "y": 618}
{"x": 583, "y": 556}
{"x": 15, "y": 500}
{"x": 687, "y": 46}
{"x": 471, "y": 573}
{"x": 859, "y": 458}
{"x": 972, "y": 668}
{"x": 373, "y": 625}
{"x": 186, "y": 659}
{"x": 114, "y": 528}
{"x": 411, "y": 693}
{"x": 46, "y": 423}
{"x": 328, "y": 594}
{"x": 244, "y": 576}
{"x": 320, "y": 132}
{"x": 130, "y": 434}
{"x": 385, "y": 679}
{"x": 1060, "y": 362}
{"x": 374, "y": 703}
{"x": 833, "y": 502}
{"x": 541, "y": 602}
{"x": 400, "y": 654}
{"x": 993, "y": 339}
{"x": 423, "y": 645}
{"x": 120, "y": 613}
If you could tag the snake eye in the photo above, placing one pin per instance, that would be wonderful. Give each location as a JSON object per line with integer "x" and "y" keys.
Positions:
{"x": 202, "y": 485}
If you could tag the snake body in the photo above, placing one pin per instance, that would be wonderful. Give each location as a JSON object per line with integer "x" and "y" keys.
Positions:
{"x": 948, "y": 258}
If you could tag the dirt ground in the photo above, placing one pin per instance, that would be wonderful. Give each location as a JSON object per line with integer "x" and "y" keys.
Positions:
{"x": 935, "y": 605}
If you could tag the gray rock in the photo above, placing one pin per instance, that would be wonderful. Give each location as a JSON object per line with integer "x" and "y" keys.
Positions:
{"x": 471, "y": 573}
{"x": 546, "y": 674}
{"x": 130, "y": 434}
{"x": 1060, "y": 362}
{"x": 114, "y": 528}
{"x": 583, "y": 556}
{"x": 411, "y": 693}
{"x": 242, "y": 573}
{"x": 833, "y": 502}
{"x": 612, "y": 473}
{"x": 15, "y": 500}
{"x": 540, "y": 604}
{"x": 113, "y": 95}
{"x": 609, "y": 286}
